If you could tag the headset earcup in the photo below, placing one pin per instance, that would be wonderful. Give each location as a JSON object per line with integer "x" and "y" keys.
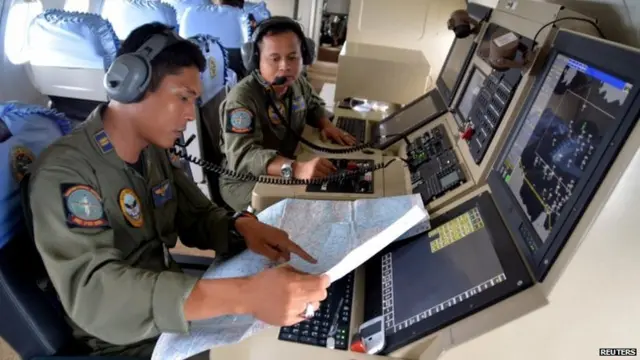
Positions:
{"x": 309, "y": 51}
{"x": 128, "y": 78}
{"x": 248, "y": 56}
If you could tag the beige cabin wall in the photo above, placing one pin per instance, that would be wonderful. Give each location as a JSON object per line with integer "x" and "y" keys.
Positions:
{"x": 410, "y": 24}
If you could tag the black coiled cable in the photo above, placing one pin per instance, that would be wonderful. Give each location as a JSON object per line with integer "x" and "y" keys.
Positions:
{"x": 180, "y": 150}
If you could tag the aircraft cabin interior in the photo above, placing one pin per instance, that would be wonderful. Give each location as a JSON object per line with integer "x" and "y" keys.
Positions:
{"x": 514, "y": 120}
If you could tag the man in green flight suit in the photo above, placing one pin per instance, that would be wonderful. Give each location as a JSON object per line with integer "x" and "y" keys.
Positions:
{"x": 262, "y": 111}
{"x": 108, "y": 202}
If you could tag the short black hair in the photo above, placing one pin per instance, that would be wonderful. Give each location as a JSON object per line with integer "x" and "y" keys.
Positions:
{"x": 171, "y": 59}
{"x": 277, "y": 29}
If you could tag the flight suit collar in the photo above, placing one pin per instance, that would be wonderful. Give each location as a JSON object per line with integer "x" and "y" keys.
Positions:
{"x": 94, "y": 128}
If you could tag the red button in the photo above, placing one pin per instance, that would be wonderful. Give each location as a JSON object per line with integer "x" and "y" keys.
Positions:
{"x": 357, "y": 346}
{"x": 467, "y": 133}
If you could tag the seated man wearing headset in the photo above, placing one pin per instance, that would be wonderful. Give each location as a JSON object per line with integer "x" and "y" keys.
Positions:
{"x": 108, "y": 201}
{"x": 264, "y": 115}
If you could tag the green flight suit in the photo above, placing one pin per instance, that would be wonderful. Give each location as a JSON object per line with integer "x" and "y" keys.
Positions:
{"x": 253, "y": 133}
{"x": 103, "y": 230}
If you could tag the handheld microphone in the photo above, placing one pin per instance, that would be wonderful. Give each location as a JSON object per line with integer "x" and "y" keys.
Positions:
{"x": 279, "y": 80}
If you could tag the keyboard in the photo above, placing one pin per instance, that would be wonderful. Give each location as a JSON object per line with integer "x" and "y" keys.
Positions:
{"x": 354, "y": 126}
{"x": 329, "y": 327}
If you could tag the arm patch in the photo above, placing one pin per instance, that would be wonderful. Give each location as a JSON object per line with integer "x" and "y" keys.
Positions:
{"x": 83, "y": 207}
{"x": 240, "y": 121}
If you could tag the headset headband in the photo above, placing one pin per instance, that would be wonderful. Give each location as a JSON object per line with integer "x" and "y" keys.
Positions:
{"x": 264, "y": 26}
{"x": 158, "y": 42}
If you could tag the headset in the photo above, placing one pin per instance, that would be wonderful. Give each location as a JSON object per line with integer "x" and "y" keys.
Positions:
{"x": 129, "y": 76}
{"x": 250, "y": 51}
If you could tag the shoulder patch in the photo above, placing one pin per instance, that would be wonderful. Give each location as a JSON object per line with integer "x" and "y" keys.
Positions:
{"x": 83, "y": 207}
{"x": 131, "y": 208}
{"x": 273, "y": 115}
{"x": 20, "y": 157}
{"x": 103, "y": 141}
{"x": 240, "y": 121}
{"x": 299, "y": 103}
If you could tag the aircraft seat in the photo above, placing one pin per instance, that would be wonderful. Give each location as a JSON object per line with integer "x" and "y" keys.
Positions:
{"x": 217, "y": 79}
{"x": 258, "y": 10}
{"x": 182, "y": 5}
{"x": 69, "y": 54}
{"x": 229, "y": 24}
{"x": 127, "y": 15}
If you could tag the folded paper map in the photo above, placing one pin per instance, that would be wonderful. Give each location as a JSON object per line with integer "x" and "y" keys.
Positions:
{"x": 341, "y": 235}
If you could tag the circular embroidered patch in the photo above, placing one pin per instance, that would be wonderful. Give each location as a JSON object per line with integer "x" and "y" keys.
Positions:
{"x": 20, "y": 157}
{"x": 84, "y": 207}
{"x": 273, "y": 116}
{"x": 130, "y": 206}
{"x": 212, "y": 67}
{"x": 240, "y": 120}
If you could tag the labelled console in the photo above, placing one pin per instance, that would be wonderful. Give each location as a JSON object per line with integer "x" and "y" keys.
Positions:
{"x": 343, "y": 182}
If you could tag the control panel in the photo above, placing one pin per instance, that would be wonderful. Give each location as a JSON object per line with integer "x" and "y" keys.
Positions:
{"x": 329, "y": 326}
{"x": 488, "y": 102}
{"x": 352, "y": 184}
{"x": 435, "y": 169}
{"x": 487, "y": 112}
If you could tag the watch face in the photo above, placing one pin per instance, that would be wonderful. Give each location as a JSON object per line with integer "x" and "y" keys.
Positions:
{"x": 286, "y": 172}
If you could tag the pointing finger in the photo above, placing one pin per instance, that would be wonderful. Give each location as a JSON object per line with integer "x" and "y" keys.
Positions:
{"x": 294, "y": 248}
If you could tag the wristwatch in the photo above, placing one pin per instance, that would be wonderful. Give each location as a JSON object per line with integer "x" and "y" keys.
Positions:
{"x": 236, "y": 216}
{"x": 287, "y": 170}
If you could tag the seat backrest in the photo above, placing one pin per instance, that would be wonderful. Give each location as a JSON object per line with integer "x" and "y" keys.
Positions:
{"x": 70, "y": 53}
{"x": 259, "y": 10}
{"x": 182, "y": 5}
{"x": 127, "y": 15}
{"x": 228, "y": 23}
{"x": 33, "y": 320}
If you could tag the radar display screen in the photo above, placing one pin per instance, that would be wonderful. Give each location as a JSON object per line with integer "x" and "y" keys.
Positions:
{"x": 572, "y": 113}
{"x": 464, "y": 264}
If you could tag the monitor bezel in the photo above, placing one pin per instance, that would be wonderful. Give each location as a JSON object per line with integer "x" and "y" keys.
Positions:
{"x": 448, "y": 95}
{"x": 607, "y": 57}
{"x": 441, "y": 109}
{"x": 480, "y": 13}
{"x": 456, "y": 109}
{"x": 515, "y": 270}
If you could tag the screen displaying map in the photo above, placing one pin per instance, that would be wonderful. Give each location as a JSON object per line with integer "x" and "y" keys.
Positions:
{"x": 576, "y": 107}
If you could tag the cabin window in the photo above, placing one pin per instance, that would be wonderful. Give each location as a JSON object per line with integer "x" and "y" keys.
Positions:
{"x": 77, "y": 5}
{"x": 21, "y": 13}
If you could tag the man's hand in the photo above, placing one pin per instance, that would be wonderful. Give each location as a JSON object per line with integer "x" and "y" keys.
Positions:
{"x": 314, "y": 168}
{"x": 333, "y": 133}
{"x": 280, "y": 295}
{"x": 269, "y": 241}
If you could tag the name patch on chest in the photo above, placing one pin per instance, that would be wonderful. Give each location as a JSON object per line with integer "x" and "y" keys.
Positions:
{"x": 131, "y": 207}
{"x": 83, "y": 207}
{"x": 162, "y": 193}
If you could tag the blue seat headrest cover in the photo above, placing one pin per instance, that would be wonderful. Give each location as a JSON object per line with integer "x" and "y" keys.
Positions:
{"x": 72, "y": 39}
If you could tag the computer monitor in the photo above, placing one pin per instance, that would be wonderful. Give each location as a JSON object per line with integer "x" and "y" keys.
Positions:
{"x": 456, "y": 62}
{"x": 465, "y": 264}
{"x": 408, "y": 119}
{"x": 468, "y": 98}
{"x": 575, "y": 120}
